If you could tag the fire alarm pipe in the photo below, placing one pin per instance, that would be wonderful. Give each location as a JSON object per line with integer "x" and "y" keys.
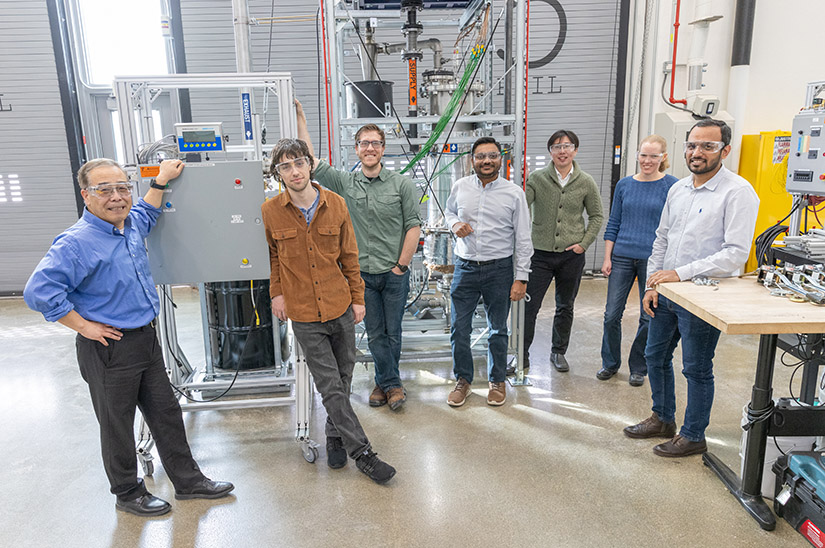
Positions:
{"x": 673, "y": 63}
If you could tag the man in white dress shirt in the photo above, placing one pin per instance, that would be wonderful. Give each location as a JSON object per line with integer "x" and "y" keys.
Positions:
{"x": 489, "y": 216}
{"x": 706, "y": 229}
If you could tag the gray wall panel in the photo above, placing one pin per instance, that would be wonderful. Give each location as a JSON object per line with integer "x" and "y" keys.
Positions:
{"x": 32, "y": 141}
{"x": 584, "y": 72}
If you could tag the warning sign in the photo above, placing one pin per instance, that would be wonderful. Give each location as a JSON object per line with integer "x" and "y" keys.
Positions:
{"x": 781, "y": 148}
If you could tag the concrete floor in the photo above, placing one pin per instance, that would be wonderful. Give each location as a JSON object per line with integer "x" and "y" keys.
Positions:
{"x": 549, "y": 468}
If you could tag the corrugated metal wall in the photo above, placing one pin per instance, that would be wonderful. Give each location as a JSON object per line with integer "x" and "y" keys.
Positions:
{"x": 37, "y": 199}
{"x": 575, "y": 90}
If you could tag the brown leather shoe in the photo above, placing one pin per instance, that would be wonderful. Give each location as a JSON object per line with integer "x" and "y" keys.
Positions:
{"x": 651, "y": 427}
{"x": 497, "y": 394}
{"x": 680, "y": 447}
{"x": 378, "y": 397}
{"x": 396, "y": 397}
{"x": 459, "y": 394}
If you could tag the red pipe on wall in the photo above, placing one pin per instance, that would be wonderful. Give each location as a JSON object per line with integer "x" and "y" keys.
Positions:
{"x": 673, "y": 63}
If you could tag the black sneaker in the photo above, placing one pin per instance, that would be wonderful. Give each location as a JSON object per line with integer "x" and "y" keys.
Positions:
{"x": 336, "y": 454}
{"x": 378, "y": 471}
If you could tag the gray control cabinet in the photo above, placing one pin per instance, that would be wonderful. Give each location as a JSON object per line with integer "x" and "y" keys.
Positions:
{"x": 806, "y": 162}
{"x": 211, "y": 228}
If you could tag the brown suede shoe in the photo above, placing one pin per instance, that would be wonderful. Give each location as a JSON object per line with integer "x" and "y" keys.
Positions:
{"x": 459, "y": 394}
{"x": 497, "y": 394}
{"x": 396, "y": 397}
{"x": 377, "y": 398}
{"x": 680, "y": 447}
{"x": 651, "y": 428}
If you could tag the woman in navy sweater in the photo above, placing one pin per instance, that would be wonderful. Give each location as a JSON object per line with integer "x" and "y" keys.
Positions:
{"x": 637, "y": 205}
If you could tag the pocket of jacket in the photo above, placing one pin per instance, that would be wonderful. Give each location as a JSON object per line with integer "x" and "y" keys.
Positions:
{"x": 328, "y": 239}
{"x": 287, "y": 239}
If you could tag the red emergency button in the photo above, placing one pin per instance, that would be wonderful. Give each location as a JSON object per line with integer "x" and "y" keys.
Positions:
{"x": 822, "y": 177}
{"x": 237, "y": 181}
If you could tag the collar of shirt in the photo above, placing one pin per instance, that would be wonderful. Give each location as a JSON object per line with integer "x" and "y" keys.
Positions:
{"x": 563, "y": 180}
{"x": 318, "y": 200}
{"x": 383, "y": 175}
{"x": 491, "y": 184}
{"x": 711, "y": 183}
{"x": 309, "y": 212}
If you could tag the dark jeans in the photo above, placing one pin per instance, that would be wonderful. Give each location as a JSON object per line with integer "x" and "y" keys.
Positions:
{"x": 566, "y": 268}
{"x": 492, "y": 283}
{"x": 619, "y": 283}
{"x": 699, "y": 340}
{"x": 329, "y": 348}
{"x": 385, "y": 296}
{"x": 130, "y": 374}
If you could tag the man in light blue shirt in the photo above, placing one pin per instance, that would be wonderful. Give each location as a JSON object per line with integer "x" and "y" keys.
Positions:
{"x": 489, "y": 216}
{"x": 706, "y": 229}
{"x": 95, "y": 280}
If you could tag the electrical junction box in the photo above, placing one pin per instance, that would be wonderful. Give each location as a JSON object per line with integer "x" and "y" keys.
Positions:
{"x": 806, "y": 161}
{"x": 210, "y": 228}
{"x": 704, "y": 105}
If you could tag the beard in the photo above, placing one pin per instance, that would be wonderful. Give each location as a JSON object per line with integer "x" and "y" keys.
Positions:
{"x": 705, "y": 166}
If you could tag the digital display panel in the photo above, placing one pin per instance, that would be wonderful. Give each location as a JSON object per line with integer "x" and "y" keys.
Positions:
{"x": 198, "y": 136}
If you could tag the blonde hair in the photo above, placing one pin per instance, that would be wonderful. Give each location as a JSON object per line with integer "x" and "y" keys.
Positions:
{"x": 658, "y": 140}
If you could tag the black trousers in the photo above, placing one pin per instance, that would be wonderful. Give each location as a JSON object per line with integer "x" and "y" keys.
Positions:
{"x": 566, "y": 268}
{"x": 123, "y": 376}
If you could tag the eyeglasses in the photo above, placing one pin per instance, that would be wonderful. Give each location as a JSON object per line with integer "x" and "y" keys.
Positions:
{"x": 705, "y": 146}
{"x": 298, "y": 163}
{"x": 366, "y": 144}
{"x": 481, "y": 156}
{"x": 643, "y": 156}
{"x": 107, "y": 190}
{"x": 562, "y": 146}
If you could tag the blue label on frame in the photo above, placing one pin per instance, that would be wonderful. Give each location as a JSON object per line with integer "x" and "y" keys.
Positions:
{"x": 247, "y": 116}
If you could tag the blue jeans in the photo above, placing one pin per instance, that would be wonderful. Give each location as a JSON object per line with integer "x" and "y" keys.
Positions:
{"x": 698, "y": 347}
{"x": 385, "y": 296}
{"x": 619, "y": 283}
{"x": 492, "y": 283}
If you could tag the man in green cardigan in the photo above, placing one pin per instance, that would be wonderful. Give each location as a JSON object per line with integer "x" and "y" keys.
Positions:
{"x": 558, "y": 195}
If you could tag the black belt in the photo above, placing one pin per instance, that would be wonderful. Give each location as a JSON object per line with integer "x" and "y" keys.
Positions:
{"x": 150, "y": 325}
{"x": 484, "y": 263}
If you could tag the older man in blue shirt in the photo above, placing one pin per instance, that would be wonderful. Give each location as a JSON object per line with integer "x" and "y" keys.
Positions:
{"x": 95, "y": 280}
{"x": 489, "y": 216}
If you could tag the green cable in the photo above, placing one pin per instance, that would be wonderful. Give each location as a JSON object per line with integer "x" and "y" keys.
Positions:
{"x": 452, "y": 106}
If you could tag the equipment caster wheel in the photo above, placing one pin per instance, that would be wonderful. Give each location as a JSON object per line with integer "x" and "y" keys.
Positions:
{"x": 148, "y": 467}
{"x": 310, "y": 454}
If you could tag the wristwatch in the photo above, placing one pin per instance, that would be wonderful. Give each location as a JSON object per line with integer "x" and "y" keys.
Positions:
{"x": 154, "y": 184}
{"x": 402, "y": 267}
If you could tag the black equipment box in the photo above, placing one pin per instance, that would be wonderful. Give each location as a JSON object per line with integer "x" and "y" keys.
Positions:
{"x": 800, "y": 486}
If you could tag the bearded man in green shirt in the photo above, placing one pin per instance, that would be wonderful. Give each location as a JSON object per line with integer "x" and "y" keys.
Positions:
{"x": 386, "y": 216}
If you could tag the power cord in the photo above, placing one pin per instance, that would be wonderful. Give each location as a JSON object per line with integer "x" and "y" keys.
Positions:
{"x": 252, "y": 328}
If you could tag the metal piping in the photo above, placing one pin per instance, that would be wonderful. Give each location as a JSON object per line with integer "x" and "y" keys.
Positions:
{"x": 520, "y": 61}
{"x": 743, "y": 32}
{"x": 431, "y": 43}
{"x": 243, "y": 62}
{"x": 508, "y": 62}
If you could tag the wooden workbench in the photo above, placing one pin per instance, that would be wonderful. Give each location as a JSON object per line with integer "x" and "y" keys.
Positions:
{"x": 739, "y": 306}
{"x": 743, "y": 306}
